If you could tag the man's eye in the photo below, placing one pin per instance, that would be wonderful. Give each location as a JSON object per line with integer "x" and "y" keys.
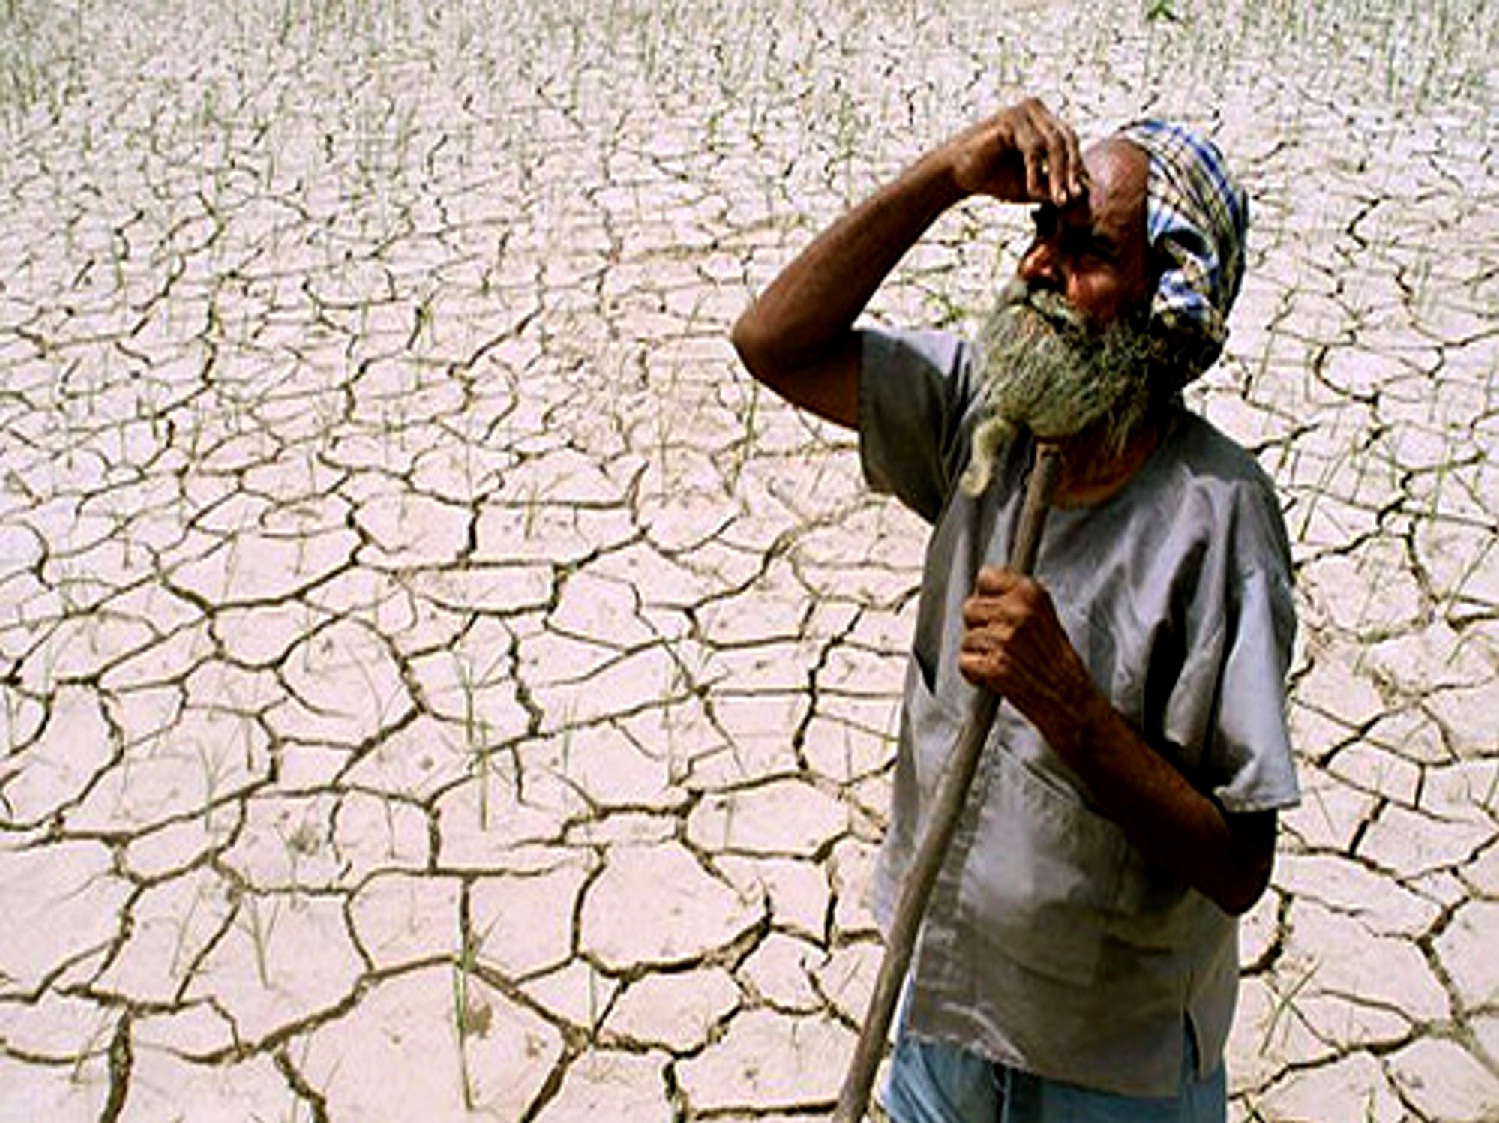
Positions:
{"x": 1084, "y": 245}
{"x": 1100, "y": 248}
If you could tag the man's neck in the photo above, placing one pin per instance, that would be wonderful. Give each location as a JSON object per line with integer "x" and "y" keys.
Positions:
{"x": 1091, "y": 472}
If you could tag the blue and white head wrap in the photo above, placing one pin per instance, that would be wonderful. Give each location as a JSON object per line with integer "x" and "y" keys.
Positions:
{"x": 1196, "y": 217}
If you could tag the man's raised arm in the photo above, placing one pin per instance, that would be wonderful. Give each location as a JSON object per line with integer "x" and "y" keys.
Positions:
{"x": 798, "y": 338}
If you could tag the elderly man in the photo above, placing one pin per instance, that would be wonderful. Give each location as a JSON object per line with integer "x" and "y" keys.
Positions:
{"x": 1079, "y": 958}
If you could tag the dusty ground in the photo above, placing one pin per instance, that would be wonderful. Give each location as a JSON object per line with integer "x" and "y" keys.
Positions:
{"x": 437, "y": 685}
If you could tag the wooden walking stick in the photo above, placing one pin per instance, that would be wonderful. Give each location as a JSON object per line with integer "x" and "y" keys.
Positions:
{"x": 853, "y": 1099}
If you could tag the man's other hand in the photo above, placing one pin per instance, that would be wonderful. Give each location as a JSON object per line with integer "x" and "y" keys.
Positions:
{"x": 1014, "y": 644}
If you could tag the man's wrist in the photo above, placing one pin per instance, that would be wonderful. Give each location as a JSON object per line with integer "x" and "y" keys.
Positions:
{"x": 1086, "y": 719}
{"x": 934, "y": 177}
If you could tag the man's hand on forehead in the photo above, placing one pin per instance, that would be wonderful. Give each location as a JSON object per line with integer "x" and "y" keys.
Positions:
{"x": 1023, "y": 154}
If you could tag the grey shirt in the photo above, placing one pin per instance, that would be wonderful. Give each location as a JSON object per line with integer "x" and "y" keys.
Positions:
{"x": 1052, "y": 944}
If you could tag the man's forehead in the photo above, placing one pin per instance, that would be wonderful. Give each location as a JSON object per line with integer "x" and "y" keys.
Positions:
{"x": 1118, "y": 177}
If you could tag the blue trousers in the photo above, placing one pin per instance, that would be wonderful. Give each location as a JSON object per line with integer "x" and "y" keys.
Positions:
{"x": 933, "y": 1082}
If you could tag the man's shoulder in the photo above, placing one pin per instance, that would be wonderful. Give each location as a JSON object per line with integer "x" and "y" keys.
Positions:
{"x": 915, "y": 408}
{"x": 943, "y": 351}
{"x": 1222, "y": 483}
{"x": 1213, "y": 457}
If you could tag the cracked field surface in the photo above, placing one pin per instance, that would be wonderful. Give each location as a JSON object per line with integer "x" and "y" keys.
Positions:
{"x": 437, "y": 683}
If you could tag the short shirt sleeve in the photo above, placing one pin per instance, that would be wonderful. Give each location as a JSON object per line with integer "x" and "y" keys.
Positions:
{"x": 1232, "y": 692}
{"x": 915, "y": 392}
{"x": 1250, "y": 750}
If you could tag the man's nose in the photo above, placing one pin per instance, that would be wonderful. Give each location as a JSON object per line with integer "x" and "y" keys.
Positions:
{"x": 1041, "y": 268}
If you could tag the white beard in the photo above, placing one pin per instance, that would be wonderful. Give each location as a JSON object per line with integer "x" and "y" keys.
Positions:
{"x": 1042, "y": 367}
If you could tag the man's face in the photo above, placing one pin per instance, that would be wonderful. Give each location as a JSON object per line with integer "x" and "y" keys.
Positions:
{"x": 1092, "y": 252}
{"x": 1067, "y": 349}
{"x": 1069, "y": 345}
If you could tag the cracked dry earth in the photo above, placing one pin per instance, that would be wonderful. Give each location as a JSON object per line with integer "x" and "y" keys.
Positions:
{"x": 437, "y": 684}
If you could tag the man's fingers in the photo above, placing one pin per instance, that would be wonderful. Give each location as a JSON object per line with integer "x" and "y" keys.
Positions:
{"x": 977, "y": 667}
{"x": 987, "y": 647}
{"x": 979, "y": 612}
{"x": 1029, "y": 143}
{"x": 1053, "y": 157}
{"x": 1055, "y": 166}
{"x": 1029, "y": 128}
{"x": 1075, "y": 183}
{"x": 1024, "y": 153}
{"x": 995, "y": 580}
{"x": 1004, "y": 605}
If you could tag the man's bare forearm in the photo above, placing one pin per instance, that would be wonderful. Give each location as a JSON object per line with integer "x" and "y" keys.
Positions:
{"x": 812, "y": 305}
{"x": 1226, "y": 857}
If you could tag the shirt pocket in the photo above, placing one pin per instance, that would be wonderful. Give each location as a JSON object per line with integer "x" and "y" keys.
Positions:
{"x": 933, "y": 725}
{"x": 1042, "y": 878}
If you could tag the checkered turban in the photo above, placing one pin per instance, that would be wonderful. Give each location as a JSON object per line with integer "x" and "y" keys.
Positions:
{"x": 1196, "y": 216}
